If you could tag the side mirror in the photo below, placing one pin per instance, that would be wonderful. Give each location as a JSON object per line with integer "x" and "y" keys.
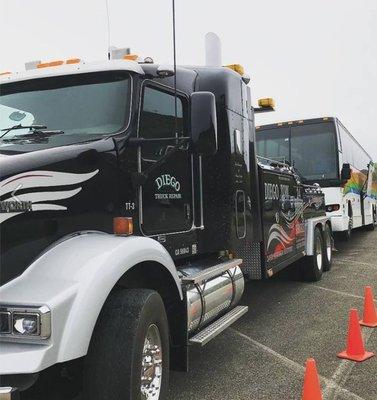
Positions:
{"x": 346, "y": 172}
{"x": 204, "y": 123}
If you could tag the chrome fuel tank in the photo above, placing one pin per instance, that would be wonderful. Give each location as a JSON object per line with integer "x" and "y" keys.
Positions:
{"x": 207, "y": 300}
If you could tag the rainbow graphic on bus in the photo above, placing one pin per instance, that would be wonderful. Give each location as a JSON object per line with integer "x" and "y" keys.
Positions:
{"x": 356, "y": 183}
{"x": 374, "y": 182}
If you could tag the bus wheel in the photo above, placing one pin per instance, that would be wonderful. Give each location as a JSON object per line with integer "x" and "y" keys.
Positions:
{"x": 346, "y": 235}
{"x": 312, "y": 266}
{"x": 327, "y": 248}
{"x": 128, "y": 356}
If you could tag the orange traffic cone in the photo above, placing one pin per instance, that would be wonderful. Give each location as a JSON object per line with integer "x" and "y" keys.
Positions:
{"x": 370, "y": 314}
{"x": 312, "y": 387}
{"x": 355, "y": 346}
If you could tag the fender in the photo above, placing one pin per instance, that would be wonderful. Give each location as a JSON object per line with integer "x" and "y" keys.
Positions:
{"x": 73, "y": 278}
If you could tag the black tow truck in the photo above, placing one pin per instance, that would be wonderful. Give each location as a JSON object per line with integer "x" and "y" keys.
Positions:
{"x": 132, "y": 212}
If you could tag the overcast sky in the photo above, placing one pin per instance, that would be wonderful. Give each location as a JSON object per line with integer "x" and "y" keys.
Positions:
{"x": 315, "y": 57}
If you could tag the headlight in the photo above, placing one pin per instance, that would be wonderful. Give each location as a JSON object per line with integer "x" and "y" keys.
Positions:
{"x": 25, "y": 322}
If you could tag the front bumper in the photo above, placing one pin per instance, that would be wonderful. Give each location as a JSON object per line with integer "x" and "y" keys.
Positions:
{"x": 18, "y": 358}
{"x": 339, "y": 223}
{"x": 8, "y": 393}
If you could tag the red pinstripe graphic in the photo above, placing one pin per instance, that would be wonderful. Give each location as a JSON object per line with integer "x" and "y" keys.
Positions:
{"x": 27, "y": 176}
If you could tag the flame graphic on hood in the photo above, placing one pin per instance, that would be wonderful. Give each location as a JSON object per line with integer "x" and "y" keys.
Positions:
{"x": 41, "y": 200}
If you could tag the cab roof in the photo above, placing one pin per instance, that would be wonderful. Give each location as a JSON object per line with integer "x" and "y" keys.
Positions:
{"x": 71, "y": 69}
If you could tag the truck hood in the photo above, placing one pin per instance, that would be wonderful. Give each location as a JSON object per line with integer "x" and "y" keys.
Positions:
{"x": 47, "y": 194}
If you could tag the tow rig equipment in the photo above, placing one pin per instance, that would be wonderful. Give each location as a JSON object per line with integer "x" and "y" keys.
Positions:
{"x": 144, "y": 219}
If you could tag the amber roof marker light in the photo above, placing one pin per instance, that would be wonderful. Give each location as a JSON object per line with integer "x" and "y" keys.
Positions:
{"x": 265, "y": 105}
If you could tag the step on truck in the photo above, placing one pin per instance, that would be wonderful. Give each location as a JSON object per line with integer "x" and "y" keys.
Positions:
{"x": 133, "y": 210}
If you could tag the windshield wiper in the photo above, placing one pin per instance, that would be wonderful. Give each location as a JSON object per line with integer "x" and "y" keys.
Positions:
{"x": 20, "y": 126}
{"x": 34, "y": 130}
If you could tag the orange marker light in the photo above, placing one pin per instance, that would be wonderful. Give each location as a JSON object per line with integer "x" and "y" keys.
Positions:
{"x": 73, "y": 61}
{"x": 5, "y": 73}
{"x": 50, "y": 64}
{"x": 123, "y": 226}
{"x": 131, "y": 57}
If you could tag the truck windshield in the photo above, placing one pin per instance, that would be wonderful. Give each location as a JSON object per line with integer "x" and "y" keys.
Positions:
{"x": 83, "y": 106}
{"x": 310, "y": 148}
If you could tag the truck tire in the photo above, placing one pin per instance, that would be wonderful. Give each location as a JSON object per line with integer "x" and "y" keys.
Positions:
{"x": 327, "y": 248}
{"x": 128, "y": 356}
{"x": 312, "y": 266}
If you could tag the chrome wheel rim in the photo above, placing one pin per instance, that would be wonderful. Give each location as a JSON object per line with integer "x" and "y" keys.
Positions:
{"x": 319, "y": 253}
{"x": 151, "y": 368}
{"x": 328, "y": 247}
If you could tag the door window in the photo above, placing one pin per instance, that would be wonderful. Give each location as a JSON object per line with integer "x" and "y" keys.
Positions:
{"x": 158, "y": 121}
{"x": 167, "y": 191}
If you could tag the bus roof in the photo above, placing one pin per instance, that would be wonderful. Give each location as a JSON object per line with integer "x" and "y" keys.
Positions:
{"x": 309, "y": 122}
{"x": 296, "y": 123}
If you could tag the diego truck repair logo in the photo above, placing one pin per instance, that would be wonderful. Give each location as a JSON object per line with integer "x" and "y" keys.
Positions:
{"x": 170, "y": 185}
{"x": 19, "y": 195}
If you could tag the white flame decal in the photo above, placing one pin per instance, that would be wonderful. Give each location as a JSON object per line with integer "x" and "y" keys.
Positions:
{"x": 41, "y": 199}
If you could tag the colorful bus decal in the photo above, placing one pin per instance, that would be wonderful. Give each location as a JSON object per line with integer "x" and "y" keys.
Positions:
{"x": 356, "y": 183}
{"x": 374, "y": 182}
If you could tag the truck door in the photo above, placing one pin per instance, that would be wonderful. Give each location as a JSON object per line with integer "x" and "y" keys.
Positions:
{"x": 166, "y": 195}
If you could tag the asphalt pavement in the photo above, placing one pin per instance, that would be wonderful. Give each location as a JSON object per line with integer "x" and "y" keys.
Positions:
{"x": 263, "y": 355}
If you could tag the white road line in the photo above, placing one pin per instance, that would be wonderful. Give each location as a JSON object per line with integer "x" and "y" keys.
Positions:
{"x": 347, "y": 395}
{"x": 350, "y": 260}
{"x": 338, "y": 292}
{"x": 341, "y": 374}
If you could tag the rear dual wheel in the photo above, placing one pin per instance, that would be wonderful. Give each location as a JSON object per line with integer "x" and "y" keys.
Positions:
{"x": 327, "y": 248}
{"x": 313, "y": 266}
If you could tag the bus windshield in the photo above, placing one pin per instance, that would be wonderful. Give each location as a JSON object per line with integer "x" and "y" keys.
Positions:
{"x": 310, "y": 148}
{"x": 82, "y": 107}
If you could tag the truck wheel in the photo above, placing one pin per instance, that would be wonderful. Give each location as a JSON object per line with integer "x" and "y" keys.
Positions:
{"x": 312, "y": 266}
{"x": 327, "y": 248}
{"x": 128, "y": 356}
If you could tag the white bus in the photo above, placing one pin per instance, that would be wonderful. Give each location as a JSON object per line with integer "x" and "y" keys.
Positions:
{"x": 323, "y": 151}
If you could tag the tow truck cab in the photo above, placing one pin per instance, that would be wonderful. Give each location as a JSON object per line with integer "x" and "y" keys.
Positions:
{"x": 173, "y": 173}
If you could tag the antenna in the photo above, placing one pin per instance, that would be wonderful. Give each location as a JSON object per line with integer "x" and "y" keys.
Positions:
{"x": 175, "y": 72}
{"x": 108, "y": 30}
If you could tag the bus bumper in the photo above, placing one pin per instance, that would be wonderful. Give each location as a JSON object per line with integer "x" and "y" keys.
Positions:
{"x": 339, "y": 223}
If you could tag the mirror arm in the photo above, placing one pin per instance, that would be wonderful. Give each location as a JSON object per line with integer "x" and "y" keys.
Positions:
{"x": 258, "y": 110}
